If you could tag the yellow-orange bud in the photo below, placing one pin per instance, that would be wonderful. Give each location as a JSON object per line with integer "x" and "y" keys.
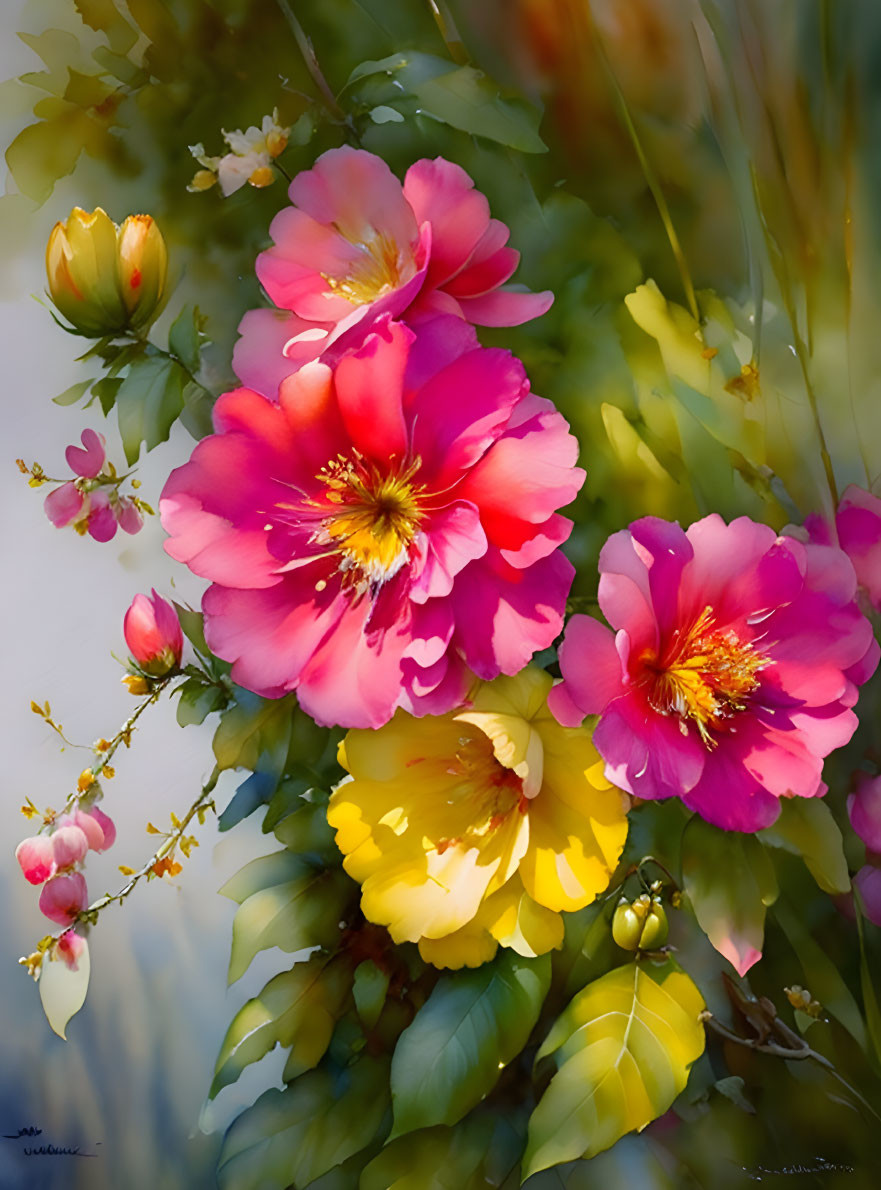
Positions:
{"x": 136, "y": 684}
{"x": 262, "y": 176}
{"x": 104, "y": 279}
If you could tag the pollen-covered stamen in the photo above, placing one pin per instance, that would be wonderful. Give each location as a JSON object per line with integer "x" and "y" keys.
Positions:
{"x": 370, "y": 517}
{"x": 489, "y": 789}
{"x": 376, "y": 271}
{"x": 704, "y": 676}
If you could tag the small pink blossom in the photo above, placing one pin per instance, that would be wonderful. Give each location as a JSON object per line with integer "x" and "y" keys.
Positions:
{"x": 64, "y": 505}
{"x": 733, "y": 671}
{"x": 153, "y": 634}
{"x": 864, "y": 809}
{"x": 357, "y": 245}
{"x": 69, "y": 947}
{"x": 391, "y": 530}
{"x": 36, "y": 856}
{"x": 63, "y": 897}
{"x": 87, "y": 822}
{"x": 69, "y": 846}
{"x": 868, "y": 884}
{"x": 108, "y": 829}
{"x": 92, "y": 503}
{"x": 89, "y": 459}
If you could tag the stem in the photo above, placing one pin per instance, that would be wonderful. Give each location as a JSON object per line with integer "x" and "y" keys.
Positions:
{"x": 281, "y": 169}
{"x": 308, "y": 52}
{"x": 202, "y": 801}
{"x": 796, "y": 1049}
{"x": 122, "y": 736}
{"x": 443, "y": 18}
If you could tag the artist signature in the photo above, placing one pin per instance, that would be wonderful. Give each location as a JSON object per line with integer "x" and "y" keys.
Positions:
{"x": 45, "y": 1150}
{"x": 817, "y": 1165}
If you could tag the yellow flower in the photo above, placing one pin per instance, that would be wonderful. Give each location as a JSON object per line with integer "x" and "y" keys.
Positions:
{"x": 477, "y": 828}
{"x": 106, "y": 279}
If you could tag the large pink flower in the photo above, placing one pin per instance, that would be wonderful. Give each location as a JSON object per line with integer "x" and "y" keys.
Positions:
{"x": 733, "y": 671}
{"x": 357, "y": 244}
{"x": 387, "y": 523}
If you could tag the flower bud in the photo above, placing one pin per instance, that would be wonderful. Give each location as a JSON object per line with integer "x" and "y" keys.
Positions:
{"x": 69, "y": 846}
{"x": 641, "y": 925}
{"x": 63, "y": 897}
{"x": 37, "y": 858}
{"x": 104, "y": 279}
{"x": 143, "y": 268}
{"x": 153, "y": 634}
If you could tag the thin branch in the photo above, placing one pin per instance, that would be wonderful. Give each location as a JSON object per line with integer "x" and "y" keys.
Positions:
{"x": 306, "y": 49}
{"x": 443, "y": 18}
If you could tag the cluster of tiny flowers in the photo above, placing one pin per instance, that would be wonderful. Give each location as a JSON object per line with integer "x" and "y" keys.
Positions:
{"x": 249, "y": 160}
{"x": 91, "y": 503}
{"x": 55, "y": 860}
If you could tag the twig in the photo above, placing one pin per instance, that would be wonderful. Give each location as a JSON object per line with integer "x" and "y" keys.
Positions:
{"x": 443, "y": 18}
{"x": 306, "y": 49}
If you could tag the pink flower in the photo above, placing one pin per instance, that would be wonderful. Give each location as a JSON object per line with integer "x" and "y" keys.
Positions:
{"x": 733, "y": 671}
{"x": 153, "y": 634}
{"x": 88, "y": 824}
{"x": 858, "y": 522}
{"x": 864, "y": 809}
{"x": 867, "y": 882}
{"x": 107, "y": 827}
{"x": 69, "y": 846}
{"x": 36, "y": 856}
{"x": 89, "y": 459}
{"x": 389, "y": 522}
{"x": 69, "y": 947}
{"x": 357, "y": 244}
{"x": 63, "y": 897}
{"x": 84, "y": 503}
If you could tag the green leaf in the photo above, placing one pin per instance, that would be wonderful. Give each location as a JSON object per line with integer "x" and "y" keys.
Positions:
{"x": 307, "y": 832}
{"x": 149, "y": 402}
{"x": 867, "y": 985}
{"x": 106, "y": 390}
{"x": 121, "y": 67}
{"x": 185, "y": 338}
{"x": 63, "y": 991}
{"x": 196, "y": 414}
{"x": 255, "y": 733}
{"x": 263, "y": 872}
{"x": 470, "y": 101}
{"x": 104, "y": 17}
{"x": 369, "y": 989}
{"x": 193, "y": 627}
{"x": 48, "y": 150}
{"x": 292, "y": 1137}
{"x": 478, "y": 1152}
{"x": 472, "y": 1025}
{"x": 806, "y": 828}
{"x": 622, "y": 1048}
{"x": 304, "y": 911}
{"x": 196, "y": 701}
{"x": 730, "y": 881}
{"x": 383, "y": 114}
{"x": 297, "y": 1008}
{"x": 71, "y": 395}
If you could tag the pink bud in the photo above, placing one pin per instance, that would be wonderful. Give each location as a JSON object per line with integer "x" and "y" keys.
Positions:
{"x": 87, "y": 462}
{"x": 102, "y": 521}
{"x": 153, "y": 634}
{"x": 88, "y": 824}
{"x": 129, "y": 515}
{"x": 37, "y": 858}
{"x": 868, "y": 883}
{"x": 63, "y": 505}
{"x": 69, "y": 846}
{"x": 69, "y": 947}
{"x": 106, "y": 825}
{"x": 63, "y": 897}
{"x": 864, "y": 808}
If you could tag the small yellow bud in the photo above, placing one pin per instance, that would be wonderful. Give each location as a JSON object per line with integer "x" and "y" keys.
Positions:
{"x": 143, "y": 268}
{"x": 102, "y": 745}
{"x": 85, "y": 780}
{"x": 203, "y": 179}
{"x": 30, "y": 810}
{"x": 136, "y": 483}
{"x": 33, "y": 963}
{"x": 166, "y": 867}
{"x": 153, "y": 830}
{"x": 261, "y": 177}
{"x": 22, "y": 466}
{"x": 108, "y": 772}
{"x": 136, "y": 684}
{"x": 126, "y": 871}
{"x": 641, "y": 925}
{"x": 276, "y": 142}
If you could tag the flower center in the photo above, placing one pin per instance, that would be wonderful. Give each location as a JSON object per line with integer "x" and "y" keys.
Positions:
{"x": 705, "y": 676}
{"x": 375, "y": 272}
{"x": 486, "y": 789}
{"x": 371, "y": 518}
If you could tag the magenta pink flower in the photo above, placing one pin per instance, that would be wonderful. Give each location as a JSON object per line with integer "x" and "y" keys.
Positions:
{"x": 91, "y": 503}
{"x": 858, "y": 522}
{"x": 69, "y": 947}
{"x": 389, "y": 522}
{"x": 357, "y": 244}
{"x": 69, "y": 846}
{"x": 153, "y": 634}
{"x": 867, "y": 882}
{"x": 36, "y": 856}
{"x": 63, "y": 897}
{"x": 864, "y": 809}
{"x": 733, "y": 671}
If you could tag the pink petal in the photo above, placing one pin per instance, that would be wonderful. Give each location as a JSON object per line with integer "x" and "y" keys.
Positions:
{"x": 647, "y": 754}
{"x": 454, "y": 538}
{"x": 369, "y": 387}
{"x": 591, "y": 670}
{"x": 63, "y": 897}
{"x": 69, "y": 846}
{"x": 102, "y": 522}
{"x": 36, "y": 856}
{"x": 90, "y": 460}
{"x": 129, "y": 515}
{"x": 63, "y": 505}
{"x": 88, "y": 824}
{"x": 442, "y": 194}
{"x": 867, "y": 883}
{"x": 864, "y": 810}
{"x": 108, "y": 829}
{"x": 506, "y": 307}
{"x": 259, "y": 359}
{"x": 69, "y": 947}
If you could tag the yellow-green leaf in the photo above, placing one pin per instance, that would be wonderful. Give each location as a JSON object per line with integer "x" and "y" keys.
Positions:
{"x": 623, "y": 1048}
{"x": 807, "y": 828}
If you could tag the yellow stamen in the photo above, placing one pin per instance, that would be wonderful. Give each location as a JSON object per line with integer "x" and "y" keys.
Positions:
{"x": 377, "y": 271}
{"x": 705, "y": 676}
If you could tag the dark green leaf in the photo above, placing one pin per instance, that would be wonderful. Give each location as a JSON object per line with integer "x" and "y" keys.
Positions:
{"x": 468, "y": 100}
{"x": 148, "y": 403}
{"x": 369, "y": 989}
{"x": 185, "y": 338}
{"x": 297, "y": 1008}
{"x": 255, "y": 733}
{"x": 292, "y": 1137}
{"x": 472, "y": 1025}
{"x": 807, "y": 828}
{"x": 306, "y": 832}
{"x": 253, "y": 792}
{"x": 106, "y": 390}
{"x": 196, "y": 701}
